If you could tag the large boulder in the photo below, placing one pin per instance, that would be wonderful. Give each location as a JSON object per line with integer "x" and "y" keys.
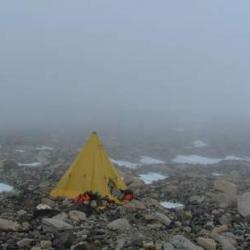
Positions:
{"x": 56, "y": 224}
{"x": 180, "y": 242}
{"x": 243, "y": 203}
{"x": 119, "y": 225}
{"x": 228, "y": 197}
{"x": 224, "y": 241}
{"x": 225, "y": 186}
{"x": 8, "y": 225}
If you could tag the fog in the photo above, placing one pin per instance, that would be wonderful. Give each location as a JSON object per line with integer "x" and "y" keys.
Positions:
{"x": 123, "y": 64}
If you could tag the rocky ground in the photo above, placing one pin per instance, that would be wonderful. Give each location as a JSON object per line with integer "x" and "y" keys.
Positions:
{"x": 215, "y": 215}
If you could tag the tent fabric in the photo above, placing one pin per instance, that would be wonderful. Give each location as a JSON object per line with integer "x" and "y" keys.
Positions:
{"x": 90, "y": 171}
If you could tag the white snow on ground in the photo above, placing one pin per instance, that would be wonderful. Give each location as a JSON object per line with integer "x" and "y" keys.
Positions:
{"x": 196, "y": 159}
{"x": 43, "y": 147}
{"x": 150, "y": 177}
{"x": 5, "y": 188}
{"x": 199, "y": 144}
{"x": 32, "y": 164}
{"x": 215, "y": 174}
{"x": 126, "y": 164}
{"x": 236, "y": 158}
{"x": 20, "y": 151}
{"x": 146, "y": 160}
{"x": 173, "y": 205}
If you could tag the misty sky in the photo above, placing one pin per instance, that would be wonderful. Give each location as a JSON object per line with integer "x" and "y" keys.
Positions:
{"x": 70, "y": 62}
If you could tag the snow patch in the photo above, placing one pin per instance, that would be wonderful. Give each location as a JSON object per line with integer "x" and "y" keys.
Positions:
{"x": 5, "y": 188}
{"x": 146, "y": 160}
{"x": 42, "y": 207}
{"x": 215, "y": 174}
{"x": 195, "y": 159}
{"x": 172, "y": 205}
{"x": 125, "y": 164}
{"x": 43, "y": 148}
{"x": 199, "y": 144}
{"x": 20, "y": 151}
{"x": 201, "y": 160}
{"x": 32, "y": 164}
{"x": 236, "y": 158}
{"x": 150, "y": 177}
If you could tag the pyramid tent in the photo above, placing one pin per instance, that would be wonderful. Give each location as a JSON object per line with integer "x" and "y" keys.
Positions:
{"x": 90, "y": 171}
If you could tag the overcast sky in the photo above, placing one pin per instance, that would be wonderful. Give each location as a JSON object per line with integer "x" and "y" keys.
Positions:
{"x": 64, "y": 62}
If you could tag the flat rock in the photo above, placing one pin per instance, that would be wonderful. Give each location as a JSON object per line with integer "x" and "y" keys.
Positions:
{"x": 21, "y": 212}
{"x": 225, "y": 242}
{"x": 56, "y": 224}
{"x": 152, "y": 203}
{"x": 8, "y": 225}
{"x": 225, "y": 219}
{"x": 229, "y": 196}
{"x": 119, "y": 225}
{"x": 77, "y": 216}
{"x": 62, "y": 216}
{"x": 180, "y": 242}
{"x": 26, "y": 242}
{"x": 225, "y": 186}
{"x": 134, "y": 205}
{"x": 46, "y": 244}
{"x": 220, "y": 229}
{"x": 48, "y": 202}
{"x": 163, "y": 219}
{"x": 206, "y": 243}
{"x": 225, "y": 200}
{"x": 168, "y": 246}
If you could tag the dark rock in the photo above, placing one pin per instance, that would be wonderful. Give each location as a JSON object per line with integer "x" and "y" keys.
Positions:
{"x": 63, "y": 240}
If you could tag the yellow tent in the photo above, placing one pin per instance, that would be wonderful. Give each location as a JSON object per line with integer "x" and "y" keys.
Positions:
{"x": 91, "y": 171}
